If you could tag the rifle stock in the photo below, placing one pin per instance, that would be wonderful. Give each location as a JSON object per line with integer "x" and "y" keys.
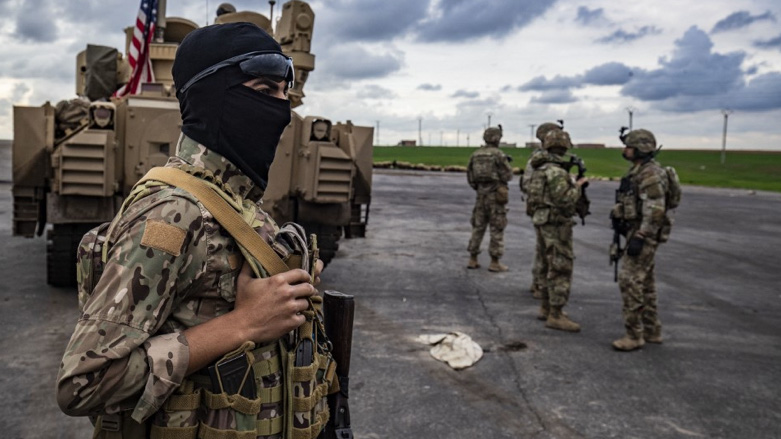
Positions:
{"x": 338, "y": 313}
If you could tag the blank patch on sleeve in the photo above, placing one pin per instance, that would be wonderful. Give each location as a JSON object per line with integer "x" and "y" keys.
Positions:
{"x": 163, "y": 236}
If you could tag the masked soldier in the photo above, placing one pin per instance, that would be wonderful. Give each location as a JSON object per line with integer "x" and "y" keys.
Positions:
{"x": 175, "y": 293}
{"x": 646, "y": 194}
{"x": 539, "y": 156}
{"x": 488, "y": 173}
{"x": 552, "y": 196}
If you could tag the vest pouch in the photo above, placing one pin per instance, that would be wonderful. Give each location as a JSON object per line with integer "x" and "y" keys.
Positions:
{"x": 629, "y": 207}
{"x": 667, "y": 226}
{"x": 89, "y": 262}
{"x": 541, "y": 216}
{"x": 502, "y": 194}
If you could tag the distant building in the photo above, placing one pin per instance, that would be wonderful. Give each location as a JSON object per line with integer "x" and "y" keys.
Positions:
{"x": 533, "y": 144}
{"x": 507, "y": 145}
{"x": 589, "y": 145}
{"x": 407, "y": 143}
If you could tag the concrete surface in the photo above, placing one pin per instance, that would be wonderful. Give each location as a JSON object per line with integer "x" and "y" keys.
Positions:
{"x": 717, "y": 375}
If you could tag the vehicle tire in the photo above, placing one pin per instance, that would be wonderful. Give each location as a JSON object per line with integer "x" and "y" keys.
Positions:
{"x": 62, "y": 241}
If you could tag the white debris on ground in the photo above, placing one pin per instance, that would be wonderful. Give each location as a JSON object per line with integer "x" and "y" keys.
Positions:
{"x": 456, "y": 349}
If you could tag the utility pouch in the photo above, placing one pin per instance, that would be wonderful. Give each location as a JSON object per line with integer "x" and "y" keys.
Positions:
{"x": 502, "y": 194}
{"x": 541, "y": 216}
{"x": 89, "y": 261}
{"x": 234, "y": 376}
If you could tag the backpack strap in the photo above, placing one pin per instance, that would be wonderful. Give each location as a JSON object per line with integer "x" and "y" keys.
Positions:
{"x": 224, "y": 214}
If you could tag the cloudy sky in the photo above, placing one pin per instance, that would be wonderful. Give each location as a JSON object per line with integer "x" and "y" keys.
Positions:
{"x": 452, "y": 64}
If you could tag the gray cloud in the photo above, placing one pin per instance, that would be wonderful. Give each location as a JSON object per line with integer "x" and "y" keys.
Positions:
{"x": 692, "y": 71}
{"x": 362, "y": 63}
{"x": 459, "y": 20}
{"x": 564, "y": 96}
{"x": 541, "y": 83}
{"x": 588, "y": 16}
{"x": 465, "y": 94}
{"x": 35, "y": 22}
{"x": 773, "y": 43}
{"x": 612, "y": 73}
{"x": 740, "y": 19}
{"x": 622, "y": 36}
{"x": 430, "y": 87}
{"x": 373, "y": 91}
{"x": 369, "y": 20}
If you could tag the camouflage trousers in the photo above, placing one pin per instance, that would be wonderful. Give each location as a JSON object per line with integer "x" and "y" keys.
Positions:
{"x": 539, "y": 269}
{"x": 554, "y": 245}
{"x": 487, "y": 212}
{"x": 638, "y": 292}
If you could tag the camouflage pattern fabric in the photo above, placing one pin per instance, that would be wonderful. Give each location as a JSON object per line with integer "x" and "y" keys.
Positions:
{"x": 127, "y": 354}
{"x": 643, "y": 209}
{"x": 556, "y": 263}
{"x": 487, "y": 211}
{"x": 552, "y": 195}
{"x": 638, "y": 292}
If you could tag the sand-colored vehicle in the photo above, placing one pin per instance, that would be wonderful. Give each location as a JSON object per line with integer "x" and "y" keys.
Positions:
{"x": 74, "y": 163}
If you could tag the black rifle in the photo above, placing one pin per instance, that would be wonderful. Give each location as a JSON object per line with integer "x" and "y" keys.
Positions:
{"x": 620, "y": 227}
{"x": 583, "y": 204}
{"x": 338, "y": 311}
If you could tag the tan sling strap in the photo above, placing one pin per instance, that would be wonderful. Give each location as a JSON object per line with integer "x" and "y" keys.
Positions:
{"x": 224, "y": 214}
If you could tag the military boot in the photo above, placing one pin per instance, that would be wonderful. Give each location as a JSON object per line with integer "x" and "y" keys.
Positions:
{"x": 628, "y": 343}
{"x": 544, "y": 312}
{"x": 496, "y": 266}
{"x": 558, "y": 319}
{"x": 653, "y": 336}
{"x": 473, "y": 262}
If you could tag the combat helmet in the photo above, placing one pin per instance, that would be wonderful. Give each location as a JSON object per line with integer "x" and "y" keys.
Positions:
{"x": 557, "y": 139}
{"x": 543, "y": 129}
{"x": 642, "y": 140}
{"x": 490, "y": 132}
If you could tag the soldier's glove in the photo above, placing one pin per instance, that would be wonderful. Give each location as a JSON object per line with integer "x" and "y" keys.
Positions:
{"x": 635, "y": 246}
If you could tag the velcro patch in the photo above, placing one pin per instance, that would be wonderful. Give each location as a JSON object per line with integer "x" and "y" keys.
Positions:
{"x": 164, "y": 237}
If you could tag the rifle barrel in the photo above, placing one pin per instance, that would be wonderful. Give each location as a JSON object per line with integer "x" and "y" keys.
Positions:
{"x": 338, "y": 314}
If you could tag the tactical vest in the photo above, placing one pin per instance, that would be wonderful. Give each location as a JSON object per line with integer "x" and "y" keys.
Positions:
{"x": 231, "y": 398}
{"x": 628, "y": 207}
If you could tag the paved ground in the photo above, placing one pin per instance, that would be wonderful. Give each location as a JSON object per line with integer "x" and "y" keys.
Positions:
{"x": 718, "y": 374}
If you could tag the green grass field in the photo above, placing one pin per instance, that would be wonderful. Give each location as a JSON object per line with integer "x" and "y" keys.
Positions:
{"x": 743, "y": 169}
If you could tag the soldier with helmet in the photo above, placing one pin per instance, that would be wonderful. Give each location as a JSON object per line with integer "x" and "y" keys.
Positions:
{"x": 640, "y": 214}
{"x": 488, "y": 173}
{"x": 552, "y": 194}
{"x": 537, "y": 156}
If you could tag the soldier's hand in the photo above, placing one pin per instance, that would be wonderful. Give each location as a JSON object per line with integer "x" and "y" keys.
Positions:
{"x": 635, "y": 246}
{"x": 581, "y": 181}
{"x": 269, "y": 308}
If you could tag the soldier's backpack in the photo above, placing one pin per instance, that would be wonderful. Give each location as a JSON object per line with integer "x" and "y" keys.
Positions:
{"x": 484, "y": 167}
{"x": 673, "y": 195}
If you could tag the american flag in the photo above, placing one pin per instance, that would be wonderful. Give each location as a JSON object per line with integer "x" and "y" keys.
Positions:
{"x": 138, "y": 56}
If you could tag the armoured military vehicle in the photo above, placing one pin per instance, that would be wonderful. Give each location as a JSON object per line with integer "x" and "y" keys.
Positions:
{"x": 74, "y": 163}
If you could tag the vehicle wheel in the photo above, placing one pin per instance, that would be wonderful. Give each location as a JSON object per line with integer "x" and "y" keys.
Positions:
{"x": 62, "y": 242}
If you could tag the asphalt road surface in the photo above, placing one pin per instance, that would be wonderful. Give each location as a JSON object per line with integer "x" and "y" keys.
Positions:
{"x": 717, "y": 375}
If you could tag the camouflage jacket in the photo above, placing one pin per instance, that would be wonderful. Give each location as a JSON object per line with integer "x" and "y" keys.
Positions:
{"x": 488, "y": 168}
{"x": 170, "y": 267}
{"x": 538, "y": 157}
{"x": 642, "y": 202}
{"x": 552, "y": 193}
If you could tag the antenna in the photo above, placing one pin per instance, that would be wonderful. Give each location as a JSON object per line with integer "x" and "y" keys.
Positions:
{"x": 271, "y": 14}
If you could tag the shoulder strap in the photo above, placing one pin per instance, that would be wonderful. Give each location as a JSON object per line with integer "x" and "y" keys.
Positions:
{"x": 224, "y": 214}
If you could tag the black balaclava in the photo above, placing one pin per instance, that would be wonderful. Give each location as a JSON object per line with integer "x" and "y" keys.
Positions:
{"x": 219, "y": 112}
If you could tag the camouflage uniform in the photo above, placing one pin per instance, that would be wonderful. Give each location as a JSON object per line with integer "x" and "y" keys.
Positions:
{"x": 642, "y": 208}
{"x": 489, "y": 211}
{"x": 553, "y": 224}
{"x": 127, "y": 354}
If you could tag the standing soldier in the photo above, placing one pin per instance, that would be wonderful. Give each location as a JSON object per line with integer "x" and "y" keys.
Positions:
{"x": 539, "y": 155}
{"x": 488, "y": 173}
{"x": 646, "y": 194}
{"x": 552, "y": 195}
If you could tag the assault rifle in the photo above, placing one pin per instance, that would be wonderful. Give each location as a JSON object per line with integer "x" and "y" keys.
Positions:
{"x": 338, "y": 312}
{"x": 615, "y": 247}
{"x": 583, "y": 204}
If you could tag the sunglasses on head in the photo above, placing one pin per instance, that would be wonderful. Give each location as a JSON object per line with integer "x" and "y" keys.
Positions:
{"x": 257, "y": 64}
